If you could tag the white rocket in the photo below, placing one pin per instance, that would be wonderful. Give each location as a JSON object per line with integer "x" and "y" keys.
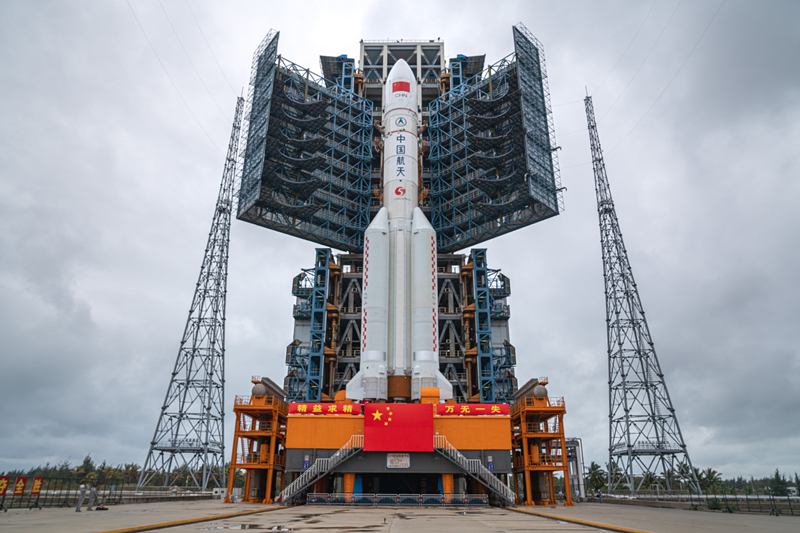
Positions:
{"x": 399, "y": 324}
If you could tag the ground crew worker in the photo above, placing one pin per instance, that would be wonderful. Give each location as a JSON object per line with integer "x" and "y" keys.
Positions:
{"x": 92, "y": 496}
{"x": 81, "y": 498}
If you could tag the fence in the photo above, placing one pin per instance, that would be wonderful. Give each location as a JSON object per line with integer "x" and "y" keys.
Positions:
{"x": 397, "y": 499}
{"x": 731, "y": 501}
{"x": 726, "y": 500}
{"x": 65, "y": 492}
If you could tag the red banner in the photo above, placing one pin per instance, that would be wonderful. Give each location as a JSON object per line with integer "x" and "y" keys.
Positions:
{"x": 37, "y": 486}
{"x": 324, "y": 408}
{"x": 19, "y": 486}
{"x": 402, "y": 86}
{"x": 398, "y": 427}
{"x": 4, "y": 485}
{"x": 459, "y": 409}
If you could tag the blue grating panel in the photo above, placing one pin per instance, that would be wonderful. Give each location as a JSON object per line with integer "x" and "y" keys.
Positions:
{"x": 306, "y": 169}
{"x": 496, "y": 379}
{"x": 304, "y": 379}
{"x": 483, "y": 326}
{"x": 492, "y": 151}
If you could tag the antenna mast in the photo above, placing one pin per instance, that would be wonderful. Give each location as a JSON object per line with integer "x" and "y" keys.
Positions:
{"x": 645, "y": 440}
{"x": 189, "y": 439}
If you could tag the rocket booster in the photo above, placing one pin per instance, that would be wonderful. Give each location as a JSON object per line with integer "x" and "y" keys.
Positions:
{"x": 399, "y": 323}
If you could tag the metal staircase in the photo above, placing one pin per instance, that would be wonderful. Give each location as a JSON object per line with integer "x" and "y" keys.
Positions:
{"x": 320, "y": 468}
{"x": 475, "y": 468}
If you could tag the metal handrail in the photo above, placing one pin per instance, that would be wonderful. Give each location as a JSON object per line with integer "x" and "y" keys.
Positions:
{"x": 321, "y": 466}
{"x": 550, "y": 426}
{"x": 540, "y": 460}
{"x": 529, "y": 402}
{"x": 474, "y": 467}
{"x": 358, "y": 498}
{"x": 273, "y": 401}
{"x": 255, "y": 425}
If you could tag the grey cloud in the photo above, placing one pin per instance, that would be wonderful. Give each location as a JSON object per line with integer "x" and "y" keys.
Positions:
{"x": 107, "y": 186}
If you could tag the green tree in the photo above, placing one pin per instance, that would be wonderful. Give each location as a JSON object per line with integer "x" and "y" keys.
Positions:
{"x": 778, "y": 483}
{"x": 87, "y": 465}
{"x": 131, "y": 472}
{"x": 712, "y": 477}
{"x": 595, "y": 476}
{"x": 238, "y": 475}
{"x": 709, "y": 478}
{"x": 670, "y": 478}
{"x": 647, "y": 481}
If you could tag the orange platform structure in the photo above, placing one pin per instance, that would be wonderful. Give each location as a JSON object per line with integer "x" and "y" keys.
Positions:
{"x": 537, "y": 426}
{"x": 259, "y": 441}
{"x": 323, "y": 451}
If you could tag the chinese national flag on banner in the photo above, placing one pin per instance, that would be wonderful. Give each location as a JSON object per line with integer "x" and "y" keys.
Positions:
{"x": 401, "y": 86}
{"x": 398, "y": 427}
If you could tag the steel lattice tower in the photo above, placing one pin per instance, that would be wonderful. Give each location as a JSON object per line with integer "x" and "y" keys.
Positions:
{"x": 189, "y": 437}
{"x": 645, "y": 439}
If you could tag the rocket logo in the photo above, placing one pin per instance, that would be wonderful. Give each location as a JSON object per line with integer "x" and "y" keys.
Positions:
{"x": 400, "y": 122}
{"x": 400, "y": 191}
{"x": 401, "y": 86}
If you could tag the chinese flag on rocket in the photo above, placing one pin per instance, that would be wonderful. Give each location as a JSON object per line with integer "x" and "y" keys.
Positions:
{"x": 402, "y": 86}
{"x": 398, "y": 427}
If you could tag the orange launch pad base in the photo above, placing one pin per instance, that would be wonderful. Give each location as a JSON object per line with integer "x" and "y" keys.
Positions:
{"x": 532, "y": 433}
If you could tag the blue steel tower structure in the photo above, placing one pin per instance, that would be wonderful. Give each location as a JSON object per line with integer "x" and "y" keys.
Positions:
{"x": 311, "y": 167}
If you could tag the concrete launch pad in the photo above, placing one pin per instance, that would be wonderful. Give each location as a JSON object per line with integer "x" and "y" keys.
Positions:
{"x": 175, "y": 517}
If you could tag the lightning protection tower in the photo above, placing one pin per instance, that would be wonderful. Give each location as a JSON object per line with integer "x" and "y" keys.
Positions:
{"x": 189, "y": 437}
{"x": 645, "y": 439}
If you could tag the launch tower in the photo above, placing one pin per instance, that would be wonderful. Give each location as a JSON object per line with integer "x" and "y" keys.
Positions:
{"x": 400, "y": 160}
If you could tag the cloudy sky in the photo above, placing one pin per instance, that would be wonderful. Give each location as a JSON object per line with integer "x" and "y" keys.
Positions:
{"x": 111, "y": 151}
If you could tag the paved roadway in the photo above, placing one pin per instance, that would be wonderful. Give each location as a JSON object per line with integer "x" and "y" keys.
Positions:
{"x": 322, "y": 519}
{"x": 659, "y": 520}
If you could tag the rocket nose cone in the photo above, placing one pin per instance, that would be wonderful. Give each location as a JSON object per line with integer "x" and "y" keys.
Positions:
{"x": 400, "y": 83}
{"x": 381, "y": 221}
{"x": 419, "y": 221}
{"x": 401, "y": 70}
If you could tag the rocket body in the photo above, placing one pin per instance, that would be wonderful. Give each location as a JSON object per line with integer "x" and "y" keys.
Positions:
{"x": 399, "y": 323}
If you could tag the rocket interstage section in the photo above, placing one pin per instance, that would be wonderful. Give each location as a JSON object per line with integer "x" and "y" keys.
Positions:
{"x": 399, "y": 322}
